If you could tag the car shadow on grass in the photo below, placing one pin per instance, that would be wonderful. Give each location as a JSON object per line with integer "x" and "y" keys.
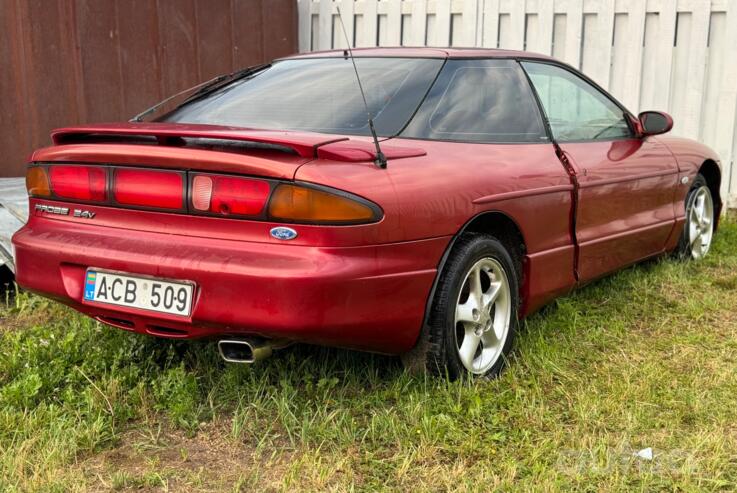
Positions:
{"x": 288, "y": 362}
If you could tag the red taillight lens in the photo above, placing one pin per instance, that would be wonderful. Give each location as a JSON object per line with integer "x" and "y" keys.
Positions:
{"x": 228, "y": 195}
{"x": 144, "y": 188}
{"x": 78, "y": 182}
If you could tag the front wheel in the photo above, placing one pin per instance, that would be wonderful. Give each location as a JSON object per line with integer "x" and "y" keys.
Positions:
{"x": 698, "y": 231}
{"x": 473, "y": 317}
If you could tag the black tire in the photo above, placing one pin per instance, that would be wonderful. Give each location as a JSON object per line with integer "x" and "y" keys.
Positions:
{"x": 685, "y": 249}
{"x": 437, "y": 349}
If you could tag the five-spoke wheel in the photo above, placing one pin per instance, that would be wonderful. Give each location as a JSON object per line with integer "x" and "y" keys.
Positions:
{"x": 482, "y": 315}
{"x": 700, "y": 222}
{"x": 698, "y": 231}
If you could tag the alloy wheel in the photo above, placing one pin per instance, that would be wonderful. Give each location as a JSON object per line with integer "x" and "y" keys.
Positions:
{"x": 701, "y": 222}
{"x": 483, "y": 315}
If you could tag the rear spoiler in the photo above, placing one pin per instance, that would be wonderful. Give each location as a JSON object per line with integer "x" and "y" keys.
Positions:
{"x": 302, "y": 143}
{"x": 305, "y": 144}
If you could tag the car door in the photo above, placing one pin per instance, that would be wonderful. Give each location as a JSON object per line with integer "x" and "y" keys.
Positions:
{"x": 625, "y": 184}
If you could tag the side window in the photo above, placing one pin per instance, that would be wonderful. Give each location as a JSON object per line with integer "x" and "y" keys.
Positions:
{"x": 479, "y": 101}
{"x": 576, "y": 109}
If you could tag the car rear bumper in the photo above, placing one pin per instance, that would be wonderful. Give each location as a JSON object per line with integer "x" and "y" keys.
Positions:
{"x": 367, "y": 297}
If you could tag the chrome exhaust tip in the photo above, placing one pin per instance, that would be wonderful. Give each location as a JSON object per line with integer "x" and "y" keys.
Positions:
{"x": 244, "y": 351}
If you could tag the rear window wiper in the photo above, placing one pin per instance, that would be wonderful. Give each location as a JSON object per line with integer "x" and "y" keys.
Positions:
{"x": 202, "y": 89}
{"x": 219, "y": 82}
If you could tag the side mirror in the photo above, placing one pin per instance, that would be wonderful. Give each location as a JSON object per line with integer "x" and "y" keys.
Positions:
{"x": 655, "y": 122}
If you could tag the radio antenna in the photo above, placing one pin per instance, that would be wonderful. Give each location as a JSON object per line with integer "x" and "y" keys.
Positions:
{"x": 380, "y": 160}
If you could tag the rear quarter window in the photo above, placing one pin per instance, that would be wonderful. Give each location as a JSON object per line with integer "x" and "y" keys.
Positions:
{"x": 487, "y": 101}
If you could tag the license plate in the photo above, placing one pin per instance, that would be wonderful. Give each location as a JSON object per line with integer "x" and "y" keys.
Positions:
{"x": 152, "y": 294}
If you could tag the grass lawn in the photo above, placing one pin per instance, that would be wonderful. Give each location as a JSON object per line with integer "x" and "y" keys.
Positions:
{"x": 647, "y": 358}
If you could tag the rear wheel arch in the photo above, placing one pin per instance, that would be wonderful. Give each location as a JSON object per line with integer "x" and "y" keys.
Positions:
{"x": 503, "y": 228}
{"x": 495, "y": 223}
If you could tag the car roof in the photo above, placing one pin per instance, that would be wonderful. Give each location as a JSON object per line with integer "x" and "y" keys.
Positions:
{"x": 424, "y": 52}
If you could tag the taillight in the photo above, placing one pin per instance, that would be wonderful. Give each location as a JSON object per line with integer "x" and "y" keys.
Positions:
{"x": 37, "y": 182}
{"x": 145, "y": 188}
{"x": 87, "y": 183}
{"x": 228, "y": 195}
{"x": 211, "y": 194}
{"x": 294, "y": 203}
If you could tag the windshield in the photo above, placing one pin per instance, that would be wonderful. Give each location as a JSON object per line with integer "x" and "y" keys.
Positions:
{"x": 318, "y": 95}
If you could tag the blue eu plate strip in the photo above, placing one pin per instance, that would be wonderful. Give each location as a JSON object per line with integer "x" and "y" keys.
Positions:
{"x": 89, "y": 286}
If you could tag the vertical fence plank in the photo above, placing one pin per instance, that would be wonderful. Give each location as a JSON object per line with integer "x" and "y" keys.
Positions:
{"x": 664, "y": 54}
{"x": 657, "y": 61}
{"x": 633, "y": 49}
{"x": 558, "y": 47}
{"x": 176, "y": 28}
{"x": 442, "y": 23}
{"x": 574, "y": 26}
{"x": 347, "y": 14}
{"x": 394, "y": 23}
{"x": 248, "y": 42}
{"x": 540, "y": 36}
{"x": 325, "y": 25}
{"x": 726, "y": 131}
{"x": 277, "y": 28}
{"x": 696, "y": 69}
{"x": 215, "y": 38}
{"x": 710, "y": 112}
{"x": 618, "y": 55}
{"x": 681, "y": 50}
{"x": 406, "y": 33}
{"x": 468, "y": 23}
{"x": 650, "y": 63}
{"x": 515, "y": 40}
{"x": 138, "y": 41}
{"x": 15, "y": 138}
{"x": 730, "y": 169}
{"x": 504, "y": 33}
{"x": 597, "y": 42}
{"x": 305, "y": 25}
{"x": 532, "y": 29}
{"x": 490, "y": 33}
{"x": 97, "y": 30}
{"x": 418, "y": 23}
{"x": 370, "y": 22}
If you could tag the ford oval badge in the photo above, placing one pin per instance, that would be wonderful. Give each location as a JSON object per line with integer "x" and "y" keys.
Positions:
{"x": 282, "y": 233}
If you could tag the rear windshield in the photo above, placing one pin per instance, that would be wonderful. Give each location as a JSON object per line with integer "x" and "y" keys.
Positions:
{"x": 319, "y": 95}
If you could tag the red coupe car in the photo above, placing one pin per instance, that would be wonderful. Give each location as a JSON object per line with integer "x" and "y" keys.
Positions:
{"x": 261, "y": 211}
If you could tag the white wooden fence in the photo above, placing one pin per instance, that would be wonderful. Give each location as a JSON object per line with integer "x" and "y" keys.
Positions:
{"x": 679, "y": 56}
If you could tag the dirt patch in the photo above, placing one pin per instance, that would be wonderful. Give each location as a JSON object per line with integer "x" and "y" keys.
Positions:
{"x": 22, "y": 320}
{"x": 727, "y": 284}
{"x": 165, "y": 459}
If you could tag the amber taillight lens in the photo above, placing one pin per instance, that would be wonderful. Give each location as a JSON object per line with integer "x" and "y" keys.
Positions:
{"x": 294, "y": 203}
{"x": 37, "y": 182}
